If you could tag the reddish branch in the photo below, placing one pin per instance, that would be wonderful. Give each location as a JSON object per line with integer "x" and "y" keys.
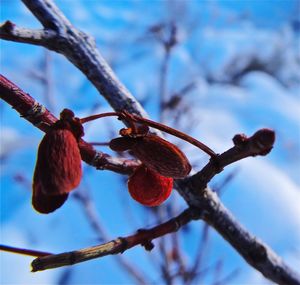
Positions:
{"x": 39, "y": 116}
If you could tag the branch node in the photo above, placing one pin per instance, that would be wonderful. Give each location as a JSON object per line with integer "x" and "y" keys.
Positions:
{"x": 8, "y": 26}
{"x": 215, "y": 161}
{"x": 99, "y": 161}
{"x": 123, "y": 244}
{"x": 148, "y": 245}
{"x": 195, "y": 213}
{"x": 240, "y": 140}
{"x": 35, "y": 113}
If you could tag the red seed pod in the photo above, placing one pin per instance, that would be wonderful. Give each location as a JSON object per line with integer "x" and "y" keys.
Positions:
{"x": 156, "y": 153}
{"x": 148, "y": 187}
{"x": 45, "y": 203}
{"x": 58, "y": 166}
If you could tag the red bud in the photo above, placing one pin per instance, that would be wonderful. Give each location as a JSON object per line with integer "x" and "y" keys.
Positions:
{"x": 148, "y": 187}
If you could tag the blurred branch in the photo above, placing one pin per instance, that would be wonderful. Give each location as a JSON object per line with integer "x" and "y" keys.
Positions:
{"x": 211, "y": 210}
{"x": 201, "y": 252}
{"x": 90, "y": 211}
{"x": 166, "y": 36}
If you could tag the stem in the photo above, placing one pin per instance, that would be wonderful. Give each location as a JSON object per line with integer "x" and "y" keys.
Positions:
{"x": 175, "y": 133}
{"x": 98, "y": 116}
{"x": 134, "y": 118}
{"x": 24, "y": 251}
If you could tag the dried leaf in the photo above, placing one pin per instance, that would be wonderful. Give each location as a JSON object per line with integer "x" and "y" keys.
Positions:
{"x": 161, "y": 156}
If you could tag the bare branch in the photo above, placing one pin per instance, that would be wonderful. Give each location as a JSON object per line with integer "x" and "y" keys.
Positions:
{"x": 254, "y": 251}
{"x": 24, "y": 251}
{"x": 10, "y": 31}
{"x": 261, "y": 143}
{"x": 60, "y": 36}
{"x": 119, "y": 245}
{"x": 48, "y": 14}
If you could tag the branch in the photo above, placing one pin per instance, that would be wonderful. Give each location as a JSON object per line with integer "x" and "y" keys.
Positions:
{"x": 192, "y": 189}
{"x": 11, "y": 32}
{"x": 261, "y": 143}
{"x": 40, "y": 117}
{"x": 254, "y": 251}
{"x": 119, "y": 245}
{"x": 80, "y": 50}
{"x": 60, "y": 36}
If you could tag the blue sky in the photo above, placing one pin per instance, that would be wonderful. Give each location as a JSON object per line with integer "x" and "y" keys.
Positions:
{"x": 213, "y": 35}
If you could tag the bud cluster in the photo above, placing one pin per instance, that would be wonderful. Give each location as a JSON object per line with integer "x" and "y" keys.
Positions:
{"x": 58, "y": 166}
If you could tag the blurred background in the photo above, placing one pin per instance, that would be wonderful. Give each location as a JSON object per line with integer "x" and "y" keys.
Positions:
{"x": 209, "y": 68}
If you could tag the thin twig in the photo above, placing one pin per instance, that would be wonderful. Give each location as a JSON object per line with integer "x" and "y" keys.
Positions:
{"x": 119, "y": 245}
{"x": 29, "y": 252}
{"x": 260, "y": 143}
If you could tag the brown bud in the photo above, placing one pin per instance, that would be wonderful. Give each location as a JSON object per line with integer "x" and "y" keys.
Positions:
{"x": 263, "y": 141}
